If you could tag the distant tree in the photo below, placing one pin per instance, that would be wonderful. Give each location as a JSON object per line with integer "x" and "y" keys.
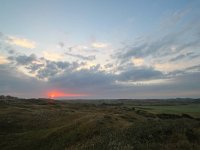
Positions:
{"x": 2, "y": 97}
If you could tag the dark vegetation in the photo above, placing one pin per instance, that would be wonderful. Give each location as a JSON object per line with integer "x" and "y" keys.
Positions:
{"x": 37, "y": 124}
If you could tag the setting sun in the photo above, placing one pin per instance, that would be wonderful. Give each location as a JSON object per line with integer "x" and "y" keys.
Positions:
{"x": 52, "y": 96}
{"x": 56, "y": 94}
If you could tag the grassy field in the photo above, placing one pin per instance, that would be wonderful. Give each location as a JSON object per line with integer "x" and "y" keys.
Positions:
{"x": 191, "y": 109}
{"x": 101, "y": 125}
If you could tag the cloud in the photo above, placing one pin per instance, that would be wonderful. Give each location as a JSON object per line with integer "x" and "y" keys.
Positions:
{"x": 78, "y": 48}
{"x": 135, "y": 50}
{"x": 181, "y": 56}
{"x": 3, "y": 60}
{"x": 91, "y": 57}
{"x": 187, "y": 81}
{"x": 61, "y": 44}
{"x": 168, "y": 67}
{"x": 82, "y": 48}
{"x": 52, "y": 56}
{"x": 161, "y": 46}
{"x": 193, "y": 68}
{"x": 109, "y": 65}
{"x": 22, "y": 42}
{"x": 13, "y": 82}
{"x": 189, "y": 55}
{"x": 47, "y": 69}
{"x": 96, "y": 83}
{"x": 100, "y": 84}
{"x": 52, "y": 68}
{"x": 187, "y": 70}
{"x": 173, "y": 18}
{"x": 166, "y": 50}
{"x": 91, "y": 81}
{"x": 138, "y": 61}
{"x": 99, "y": 45}
{"x": 23, "y": 59}
{"x": 140, "y": 74}
{"x": 41, "y": 67}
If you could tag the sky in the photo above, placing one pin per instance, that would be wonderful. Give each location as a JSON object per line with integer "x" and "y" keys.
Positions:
{"x": 98, "y": 49}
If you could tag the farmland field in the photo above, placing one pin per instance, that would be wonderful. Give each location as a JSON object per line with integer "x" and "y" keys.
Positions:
{"x": 99, "y": 124}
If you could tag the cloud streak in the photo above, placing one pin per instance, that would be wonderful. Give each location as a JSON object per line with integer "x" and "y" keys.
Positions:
{"x": 22, "y": 42}
{"x": 3, "y": 60}
{"x": 91, "y": 57}
{"x": 99, "y": 45}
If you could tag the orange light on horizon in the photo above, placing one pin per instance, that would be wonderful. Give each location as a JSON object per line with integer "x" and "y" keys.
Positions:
{"x": 52, "y": 95}
{"x": 56, "y": 94}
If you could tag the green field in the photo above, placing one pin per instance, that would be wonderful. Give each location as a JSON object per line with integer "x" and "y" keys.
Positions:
{"x": 101, "y": 125}
{"x": 191, "y": 109}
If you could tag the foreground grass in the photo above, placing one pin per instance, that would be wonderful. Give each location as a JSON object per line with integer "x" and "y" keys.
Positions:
{"x": 39, "y": 125}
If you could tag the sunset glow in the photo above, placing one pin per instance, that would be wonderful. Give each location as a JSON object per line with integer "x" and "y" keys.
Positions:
{"x": 57, "y": 94}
